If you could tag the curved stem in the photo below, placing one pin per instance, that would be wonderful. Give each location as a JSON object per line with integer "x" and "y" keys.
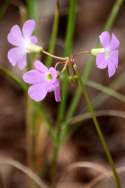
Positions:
{"x": 100, "y": 134}
{"x": 65, "y": 58}
{"x": 85, "y": 116}
{"x": 13, "y": 77}
{"x": 81, "y": 52}
{"x": 24, "y": 169}
{"x": 54, "y": 56}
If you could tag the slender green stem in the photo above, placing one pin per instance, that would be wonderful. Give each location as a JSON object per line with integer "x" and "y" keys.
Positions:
{"x": 32, "y": 8}
{"x": 53, "y": 36}
{"x": 113, "y": 14}
{"x": 88, "y": 66}
{"x": 116, "y": 85}
{"x": 107, "y": 90}
{"x": 29, "y": 132}
{"x": 87, "y": 115}
{"x": 13, "y": 77}
{"x": 67, "y": 52}
{"x": 99, "y": 132}
{"x": 56, "y": 148}
{"x": 33, "y": 13}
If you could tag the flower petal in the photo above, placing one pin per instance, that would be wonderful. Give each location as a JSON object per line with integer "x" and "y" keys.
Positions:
{"x": 15, "y": 36}
{"x": 104, "y": 38}
{"x": 57, "y": 94}
{"x": 14, "y": 55}
{"x": 111, "y": 69}
{"x": 22, "y": 62}
{"x": 34, "y": 39}
{"x": 114, "y": 57}
{"x": 37, "y": 92}
{"x": 114, "y": 42}
{"x": 53, "y": 72}
{"x": 101, "y": 61}
{"x": 28, "y": 28}
{"x": 52, "y": 85}
{"x": 40, "y": 66}
{"x": 33, "y": 77}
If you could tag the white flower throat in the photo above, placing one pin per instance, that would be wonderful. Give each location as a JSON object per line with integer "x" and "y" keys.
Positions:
{"x": 107, "y": 52}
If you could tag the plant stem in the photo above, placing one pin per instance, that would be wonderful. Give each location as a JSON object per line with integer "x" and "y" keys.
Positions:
{"x": 29, "y": 132}
{"x": 81, "y": 52}
{"x": 116, "y": 85}
{"x": 107, "y": 90}
{"x": 67, "y": 52}
{"x": 64, "y": 58}
{"x": 32, "y": 9}
{"x": 54, "y": 56}
{"x": 88, "y": 67}
{"x": 99, "y": 132}
{"x": 55, "y": 154}
{"x": 53, "y": 36}
{"x": 13, "y": 77}
{"x": 113, "y": 14}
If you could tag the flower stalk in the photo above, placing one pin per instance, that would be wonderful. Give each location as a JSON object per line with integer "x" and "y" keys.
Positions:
{"x": 99, "y": 132}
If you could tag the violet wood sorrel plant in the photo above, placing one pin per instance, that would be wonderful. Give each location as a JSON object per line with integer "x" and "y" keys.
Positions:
{"x": 44, "y": 80}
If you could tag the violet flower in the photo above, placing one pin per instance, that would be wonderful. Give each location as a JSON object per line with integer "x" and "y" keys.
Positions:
{"x": 24, "y": 43}
{"x": 43, "y": 80}
{"x": 107, "y": 57}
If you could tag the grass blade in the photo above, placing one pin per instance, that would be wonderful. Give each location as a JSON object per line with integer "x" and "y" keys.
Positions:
{"x": 107, "y": 90}
{"x": 13, "y": 77}
{"x": 67, "y": 52}
{"x": 53, "y": 36}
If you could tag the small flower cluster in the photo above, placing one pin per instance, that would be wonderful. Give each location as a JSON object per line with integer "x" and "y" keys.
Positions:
{"x": 42, "y": 79}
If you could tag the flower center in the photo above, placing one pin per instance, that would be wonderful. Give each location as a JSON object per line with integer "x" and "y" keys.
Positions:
{"x": 30, "y": 47}
{"x": 49, "y": 76}
{"x": 107, "y": 53}
{"x": 26, "y": 45}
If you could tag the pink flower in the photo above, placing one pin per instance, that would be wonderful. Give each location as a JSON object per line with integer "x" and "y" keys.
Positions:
{"x": 108, "y": 55}
{"x": 43, "y": 80}
{"x": 23, "y": 41}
